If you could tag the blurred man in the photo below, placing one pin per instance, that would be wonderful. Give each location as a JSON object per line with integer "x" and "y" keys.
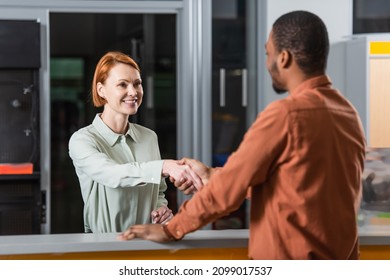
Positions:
{"x": 302, "y": 160}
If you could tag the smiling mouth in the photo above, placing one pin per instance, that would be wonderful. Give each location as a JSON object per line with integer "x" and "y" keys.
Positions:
{"x": 133, "y": 101}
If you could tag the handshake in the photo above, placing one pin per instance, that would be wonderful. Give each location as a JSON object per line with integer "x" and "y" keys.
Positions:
{"x": 188, "y": 175}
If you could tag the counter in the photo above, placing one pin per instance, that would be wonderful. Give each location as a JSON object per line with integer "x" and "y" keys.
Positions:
{"x": 374, "y": 235}
{"x": 374, "y": 242}
{"x": 202, "y": 244}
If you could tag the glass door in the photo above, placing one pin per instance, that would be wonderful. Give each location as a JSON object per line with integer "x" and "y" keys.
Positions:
{"x": 77, "y": 41}
{"x": 234, "y": 98}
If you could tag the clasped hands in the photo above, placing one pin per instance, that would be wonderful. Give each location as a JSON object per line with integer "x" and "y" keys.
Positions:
{"x": 188, "y": 175}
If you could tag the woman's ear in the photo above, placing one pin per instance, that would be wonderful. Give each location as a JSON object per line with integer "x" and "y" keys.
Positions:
{"x": 100, "y": 90}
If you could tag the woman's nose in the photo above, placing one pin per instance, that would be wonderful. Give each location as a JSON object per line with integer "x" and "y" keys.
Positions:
{"x": 131, "y": 91}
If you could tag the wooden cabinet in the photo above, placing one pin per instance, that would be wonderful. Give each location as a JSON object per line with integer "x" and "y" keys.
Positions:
{"x": 368, "y": 85}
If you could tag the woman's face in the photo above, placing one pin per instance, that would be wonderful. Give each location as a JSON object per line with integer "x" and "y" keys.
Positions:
{"x": 122, "y": 89}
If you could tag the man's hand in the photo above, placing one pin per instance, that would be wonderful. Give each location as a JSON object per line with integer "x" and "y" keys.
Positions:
{"x": 202, "y": 170}
{"x": 181, "y": 173}
{"x": 148, "y": 232}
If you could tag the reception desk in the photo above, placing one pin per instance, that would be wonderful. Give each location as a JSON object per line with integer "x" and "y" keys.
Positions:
{"x": 199, "y": 245}
{"x": 374, "y": 242}
{"x": 203, "y": 244}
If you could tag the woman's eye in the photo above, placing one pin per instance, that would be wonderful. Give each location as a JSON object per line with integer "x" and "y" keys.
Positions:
{"x": 123, "y": 85}
{"x": 137, "y": 84}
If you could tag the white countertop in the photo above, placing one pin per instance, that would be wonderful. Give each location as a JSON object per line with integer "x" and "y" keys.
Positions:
{"x": 374, "y": 235}
{"x": 89, "y": 242}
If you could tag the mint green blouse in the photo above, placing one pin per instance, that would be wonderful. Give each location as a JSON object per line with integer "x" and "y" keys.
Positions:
{"x": 120, "y": 175}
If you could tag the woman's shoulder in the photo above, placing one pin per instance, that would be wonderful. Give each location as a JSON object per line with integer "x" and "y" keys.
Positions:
{"x": 86, "y": 133}
{"x": 86, "y": 130}
{"x": 142, "y": 134}
{"x": 142, "y": 129}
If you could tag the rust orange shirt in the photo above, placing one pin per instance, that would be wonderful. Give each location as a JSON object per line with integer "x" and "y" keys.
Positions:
{"x": 303, "y": 158}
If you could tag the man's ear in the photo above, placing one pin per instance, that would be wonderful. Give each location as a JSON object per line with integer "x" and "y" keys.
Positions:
{"x": 285, "y": 58}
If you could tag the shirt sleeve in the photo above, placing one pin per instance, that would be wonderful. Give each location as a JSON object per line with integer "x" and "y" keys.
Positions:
{"x": 90, "y": 161}
{"x": 248, "y": 167}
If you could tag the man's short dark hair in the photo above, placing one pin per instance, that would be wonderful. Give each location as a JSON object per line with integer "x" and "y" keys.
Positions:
{"x": 305, "y": 36}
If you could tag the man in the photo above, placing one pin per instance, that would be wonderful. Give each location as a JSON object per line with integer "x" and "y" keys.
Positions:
{"x": 302, "y": 160}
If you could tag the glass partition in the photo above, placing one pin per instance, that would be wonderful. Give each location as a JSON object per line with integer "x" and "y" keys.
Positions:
{"x": 77, "y": 41}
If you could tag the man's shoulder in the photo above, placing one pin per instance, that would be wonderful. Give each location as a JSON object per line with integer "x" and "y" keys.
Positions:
{"x": 279, "y": 105}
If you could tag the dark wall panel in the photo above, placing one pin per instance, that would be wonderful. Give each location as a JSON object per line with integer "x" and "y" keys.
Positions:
{"x": 19, "y": 44}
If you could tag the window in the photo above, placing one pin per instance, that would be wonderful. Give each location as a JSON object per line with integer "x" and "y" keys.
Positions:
{"x": 371, "y": 16}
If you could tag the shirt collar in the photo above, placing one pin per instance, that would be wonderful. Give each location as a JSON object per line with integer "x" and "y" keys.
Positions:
{"x": 110, "y": 136}
{"x": 319, "y": 81}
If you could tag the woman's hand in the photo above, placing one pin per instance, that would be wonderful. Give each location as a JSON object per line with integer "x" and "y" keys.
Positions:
{"x": 161, "y": 215}
{"x": 182, "y": 175}
{"x": 202, "y": 170}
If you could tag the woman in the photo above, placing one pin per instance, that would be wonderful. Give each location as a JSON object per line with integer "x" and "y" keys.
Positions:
{"x": 118, "y": 163}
